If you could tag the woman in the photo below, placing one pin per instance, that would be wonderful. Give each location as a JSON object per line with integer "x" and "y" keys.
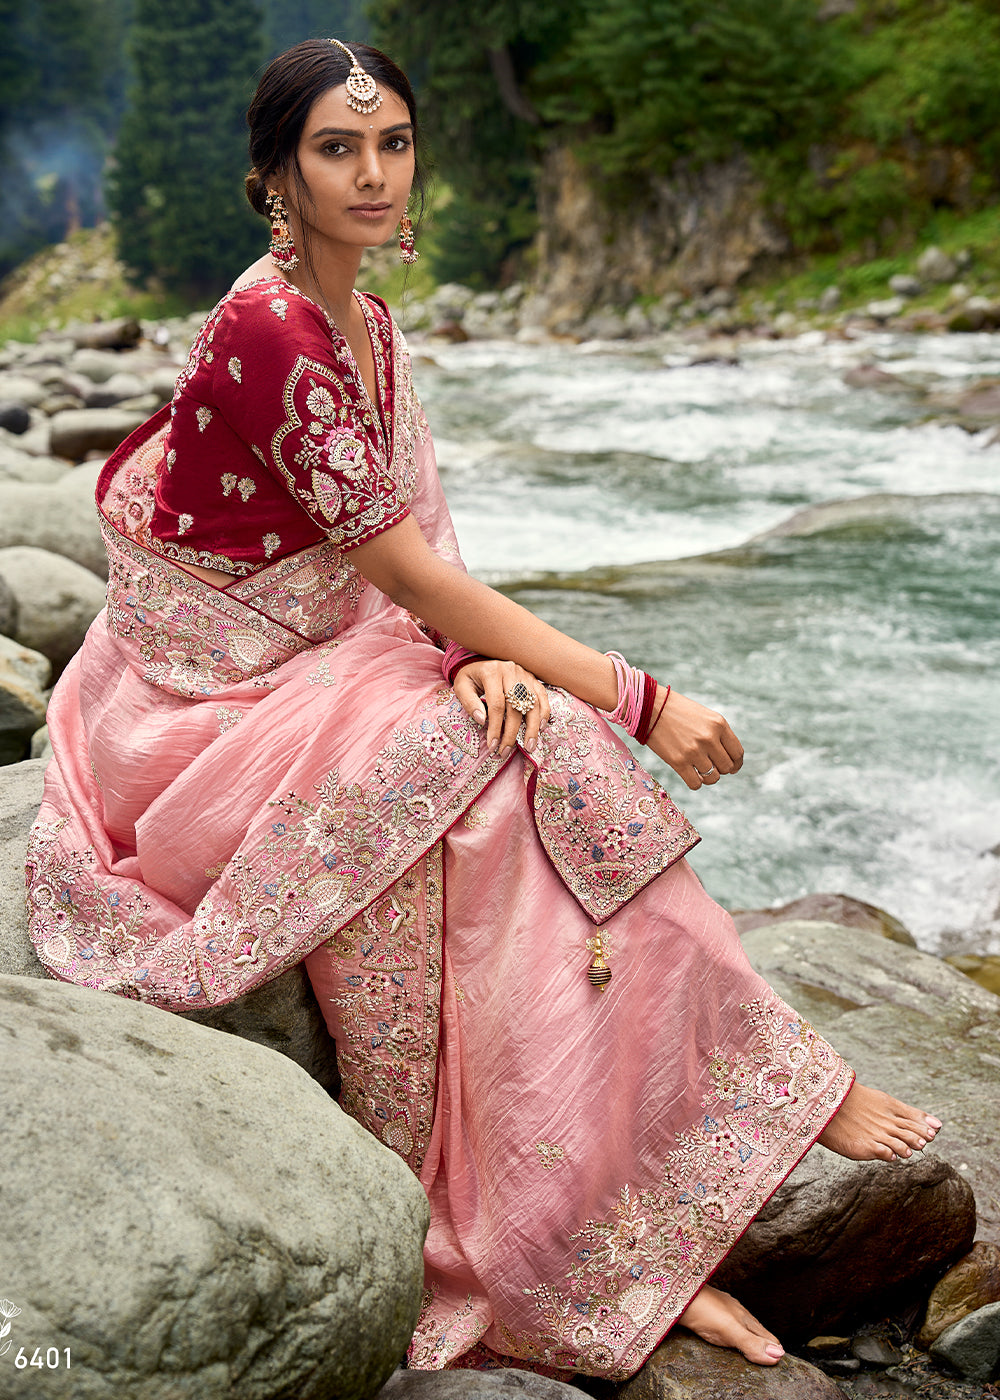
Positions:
{"x": 259, "y": 760}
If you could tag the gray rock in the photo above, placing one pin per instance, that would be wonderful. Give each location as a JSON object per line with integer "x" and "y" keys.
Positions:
{"x": 796, "y": 1267}
{"x": 475, "y": 1385}
{"x": 838, "y": 909}
{"x": 636, "y": 321}
{"x": 57, "y": 601}
{"x": 194, "y": 1217}
{"x": 973, "y": 1283}
{"x": 120, "y": 386}
{"x": 887, "y": 309}
{"x": 902, "y": 285}
{"x": 97, "y": 365}
{"x": 81, "y": 430}
{"x": 20, "y": 796}
{"x": 20, "y": 389}
{"x": 685, "y": 1368}
{"x": 829, "y": 299}
{"x": 40, "y": 744}
{"x": 61, "y": 403}
{"x": 162, "y": 382}
{"x": 972, "y": 1346}
{"x": 119, "y": 334}
{"x": 8, "y": 610}
{"x": 907, "y": 1023}
{"x": 14, "y": 417}
{"x": 933, "y": 265}
{"x": 59, "y": 516}
{"x": 23, "y": 677}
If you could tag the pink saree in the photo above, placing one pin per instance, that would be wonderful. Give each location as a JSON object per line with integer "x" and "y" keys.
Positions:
{"x": 247, "y": 777}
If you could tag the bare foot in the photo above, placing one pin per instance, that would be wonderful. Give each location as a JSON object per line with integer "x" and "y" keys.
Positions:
{"x": 721, "y": 1320}
{"x": 869, "y": 1125}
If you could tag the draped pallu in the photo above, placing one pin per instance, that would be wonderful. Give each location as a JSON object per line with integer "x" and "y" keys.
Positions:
{"x": 251, "y": 776}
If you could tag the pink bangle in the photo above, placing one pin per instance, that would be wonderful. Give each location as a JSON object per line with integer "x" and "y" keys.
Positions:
{"x": 455, "y": 657}
{"x": 636, "y": 694}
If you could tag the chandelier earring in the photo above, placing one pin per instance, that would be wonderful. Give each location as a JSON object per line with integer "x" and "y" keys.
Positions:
{"x": 282, "y": 248}
{"x": 407, "y": 251}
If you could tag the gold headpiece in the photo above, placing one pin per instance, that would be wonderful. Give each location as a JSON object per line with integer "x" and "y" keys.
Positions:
{"x": 362, "y": 94}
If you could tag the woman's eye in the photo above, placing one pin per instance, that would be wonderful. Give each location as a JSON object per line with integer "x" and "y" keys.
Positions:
{"x": 397, "y": 143}
{"x": 334, "y": 148}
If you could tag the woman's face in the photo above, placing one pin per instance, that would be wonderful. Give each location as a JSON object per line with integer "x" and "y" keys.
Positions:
{"x": 358, "y": 169}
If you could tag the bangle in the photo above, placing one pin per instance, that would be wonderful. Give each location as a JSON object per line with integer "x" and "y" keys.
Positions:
{"x": 636, "y": 697}
{"x": 455, "y": 657}
{"x": 658, "y": 714}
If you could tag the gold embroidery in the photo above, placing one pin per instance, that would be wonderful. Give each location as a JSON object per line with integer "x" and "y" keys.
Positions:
{"x": 184, "y": 523}
{"x": 271, "y": 542}
{"x": 204, "y": 417}
{"x": 475, "y": 816}
{"x": 246, "y": 487}
{"x": 236, "y": 370}
{"x": 228, "y": 480}
{"x": 551, "y": 1155}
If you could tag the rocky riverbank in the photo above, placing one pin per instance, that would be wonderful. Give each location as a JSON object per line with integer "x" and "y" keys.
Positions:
{"x": 221, "y": 1260}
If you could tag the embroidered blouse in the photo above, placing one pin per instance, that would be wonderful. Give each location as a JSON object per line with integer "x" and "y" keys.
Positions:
{"x": 274, "y": 442}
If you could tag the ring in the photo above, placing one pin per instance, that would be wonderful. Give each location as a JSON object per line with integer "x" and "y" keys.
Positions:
{"x": 520, "y": 698}
{"x": 707, "y": 771}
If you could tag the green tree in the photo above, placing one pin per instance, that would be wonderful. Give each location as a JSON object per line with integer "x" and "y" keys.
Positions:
{"x": 288, "y": 22}
{"x": 176, "y": 187}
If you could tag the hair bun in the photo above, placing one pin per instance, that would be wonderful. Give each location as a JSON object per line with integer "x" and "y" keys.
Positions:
{"x": 256, "y": 190}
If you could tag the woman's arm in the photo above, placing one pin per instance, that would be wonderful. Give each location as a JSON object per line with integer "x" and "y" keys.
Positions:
{"x": 691, "y": 738}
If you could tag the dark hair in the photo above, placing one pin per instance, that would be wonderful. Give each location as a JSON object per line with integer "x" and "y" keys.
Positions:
{"x": 285, "y": 94}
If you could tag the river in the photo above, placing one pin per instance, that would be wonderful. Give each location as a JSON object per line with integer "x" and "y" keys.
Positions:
{"x": 858, "y": 661}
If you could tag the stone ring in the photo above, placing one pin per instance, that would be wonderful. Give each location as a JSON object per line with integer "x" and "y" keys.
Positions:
{"x": 520, "y": 698}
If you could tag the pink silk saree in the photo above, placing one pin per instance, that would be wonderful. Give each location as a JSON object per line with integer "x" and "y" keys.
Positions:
{"x": 247, "y": 777}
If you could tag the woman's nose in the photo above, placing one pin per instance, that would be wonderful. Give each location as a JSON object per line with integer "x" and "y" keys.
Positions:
{"x": 370, "y": 173}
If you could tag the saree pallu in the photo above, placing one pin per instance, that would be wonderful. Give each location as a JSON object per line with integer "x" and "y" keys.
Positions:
{"x": 247, "y": 777}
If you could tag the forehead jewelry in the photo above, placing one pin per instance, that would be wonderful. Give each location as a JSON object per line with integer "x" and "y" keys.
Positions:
{"x": 362, "y": 94}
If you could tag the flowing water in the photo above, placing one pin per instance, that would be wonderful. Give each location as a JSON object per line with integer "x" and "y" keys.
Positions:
{"x": 857, "y": 661}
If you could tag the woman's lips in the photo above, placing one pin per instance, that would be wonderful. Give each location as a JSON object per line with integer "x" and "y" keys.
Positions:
{"x": 370, "y": 211}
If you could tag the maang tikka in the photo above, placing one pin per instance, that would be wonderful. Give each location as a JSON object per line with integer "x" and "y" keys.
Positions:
{"x": 282, "y": 248}
{"x": 362, "y": 94}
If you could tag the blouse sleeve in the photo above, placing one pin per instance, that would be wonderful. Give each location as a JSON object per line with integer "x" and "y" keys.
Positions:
{"x": 287, "y": 385}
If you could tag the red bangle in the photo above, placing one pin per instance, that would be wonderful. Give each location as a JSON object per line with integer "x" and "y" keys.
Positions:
{"x": 642, "y": 729}
{"x": 658, "y": 714}
{"x": 454, "y": 669}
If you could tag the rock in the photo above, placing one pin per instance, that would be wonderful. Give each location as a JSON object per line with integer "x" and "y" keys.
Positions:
{"x": 59, "y": 516}
{"x": 8, "y": 610}
{"x": 637, "y": 323}
{"x": 981, "y": 403}
{"x": 120, "y": 334}
{"x": 972, "y": 1346}
{"x": 887, "y": 309}
{"x": 796, "y": 1267}
{"x": 982, "y": 968}
{"x": 16, "y": 465}
{"x": 450, "y": 330}
{"x": 285, "y": 1016}
{"x": 120, "y": 386}
{"x": 907, "y": 1023}
{"x": 195, "y": 1217}
{"x": 57, "y": 601}
{"x": 61, "y": 403}
{"x": 829, "y": 299}
{"x": 869, "y": 376}
{"x": 973, "y": 1283}
{"x": 40, "y": 745}
{"x": 162, "y": 382}
{"x": 977, "y": 314}
{"x": 81, "y": 430}
{"x": 20, "y": 797}
{"x": 475, "y": 1385}
{"x": 902, "y": 285}
{"x": 933, "y": 265}
{"x": 829, "y": 908}
{"x": 14, "y": 417}
{"x": 876, "y": 1351}
{"x": 23, "y": 677}
{"x": 605, "y": 324}
{"x": 95, "y": 365}
{"x": 19, "y": 389}
{"x": 685, "y": 1368}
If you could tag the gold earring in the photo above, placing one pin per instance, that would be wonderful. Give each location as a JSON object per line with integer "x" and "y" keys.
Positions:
{"x": 282, "y": 248}
{"x": 407, "y": 252}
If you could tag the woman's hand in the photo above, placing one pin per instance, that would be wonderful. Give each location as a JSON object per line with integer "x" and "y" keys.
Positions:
{"x": 491, "y": 682}
{"x": 697, "y": 743}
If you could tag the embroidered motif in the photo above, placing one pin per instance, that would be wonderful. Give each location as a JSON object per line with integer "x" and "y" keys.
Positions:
{"x": 551, "y": 1154}
{"x": 228, "y": 480}
{"x": 459, "y": 994}
{"x": 321, "y": 402}
{"x": 474, "y": 817}
{"x": 204, "y": 417}
{"x": 246, "y": 487}
{"x": 228, "y": 719}
{"x": 236, "y": 369}
{"x": 322, "y": 675}
{"x": 271, "y": 543}
{"x": 171, "y": 459}
{"x": 184, "y": 523}
{"x": 280, "y": 308}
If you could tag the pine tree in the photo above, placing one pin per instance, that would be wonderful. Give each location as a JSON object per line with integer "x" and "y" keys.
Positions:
{"x": 177, "y": 185}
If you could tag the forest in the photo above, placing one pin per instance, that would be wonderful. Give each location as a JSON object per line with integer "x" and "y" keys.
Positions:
{"x": 861, "y": 118}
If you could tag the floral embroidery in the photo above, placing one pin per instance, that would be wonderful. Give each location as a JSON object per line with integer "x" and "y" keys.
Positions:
{"x": 228, "y": 480}
{"x": 236, "y": 369}
{"x": 204, "y": 417}
{"x": 474, "y": 817}
{"x": 171, "y": 459}
{"x": 271, "y": 542}
{"x": 321, "y": 402}
{"x": 184, "y": 523}
{"x": 280, "y": 307}
{"x": 228, "y": 719}
{"x": 246, "y": 487}
{"x": 551, "y": 1154}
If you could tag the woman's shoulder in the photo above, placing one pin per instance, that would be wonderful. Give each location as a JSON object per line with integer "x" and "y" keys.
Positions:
{"x": 270, "y": 303}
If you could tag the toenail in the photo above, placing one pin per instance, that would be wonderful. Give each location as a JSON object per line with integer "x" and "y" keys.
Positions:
{"x": 772, "y": 1349}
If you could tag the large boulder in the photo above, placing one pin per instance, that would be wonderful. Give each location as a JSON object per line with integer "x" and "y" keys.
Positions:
{"x": 283, "y": 1015}
{"x": 24, "y": 675}
{"x": 907, "y": 1023}
{"x": 686, "y": 1368}
{"x": 843, "y": 1241}
{"x": 77, "y": 431}
{"x": 840, "y": 909}
{"x": 57, "y": 600}
{"x": 460, "y": 1384}
{"x": 973, "y": 1283}
{"x": 59, "y": 516}
{"x": 190, "y": 1214}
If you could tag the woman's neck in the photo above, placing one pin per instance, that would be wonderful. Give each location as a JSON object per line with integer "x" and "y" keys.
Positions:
{"x": 329, "y": 278}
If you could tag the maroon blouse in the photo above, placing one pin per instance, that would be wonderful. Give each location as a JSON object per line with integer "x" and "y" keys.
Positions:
{"x": 274, "y": 442}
